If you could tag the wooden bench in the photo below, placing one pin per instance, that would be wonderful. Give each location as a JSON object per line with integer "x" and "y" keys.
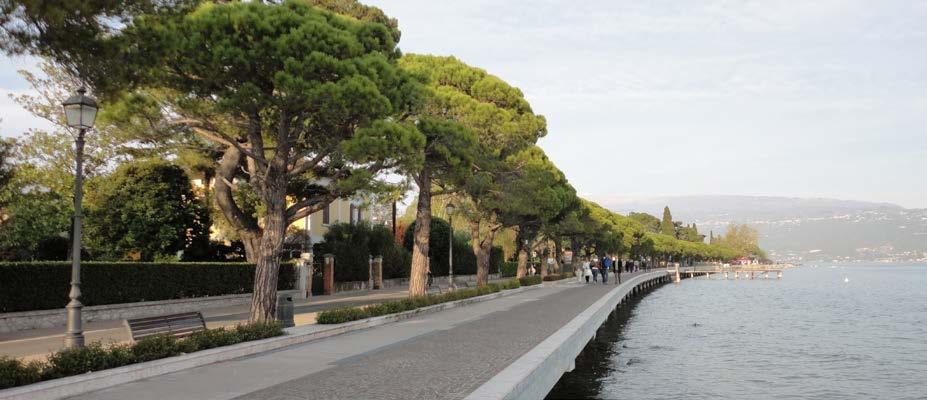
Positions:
{"x": 176, "y": 325}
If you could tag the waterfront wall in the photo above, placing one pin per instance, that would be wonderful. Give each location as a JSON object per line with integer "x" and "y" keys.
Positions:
{"x": 536, "y": 372}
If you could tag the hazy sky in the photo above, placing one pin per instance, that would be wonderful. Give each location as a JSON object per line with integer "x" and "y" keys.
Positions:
{"x": 794, "y": 98}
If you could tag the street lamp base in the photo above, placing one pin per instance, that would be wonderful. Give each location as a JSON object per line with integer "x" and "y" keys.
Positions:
{"x": 74, "y": 340}
{"x": 74, "y": 336}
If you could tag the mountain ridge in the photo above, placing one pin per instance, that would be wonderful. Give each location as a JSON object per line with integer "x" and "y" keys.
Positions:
{"x": 796, "y": 228}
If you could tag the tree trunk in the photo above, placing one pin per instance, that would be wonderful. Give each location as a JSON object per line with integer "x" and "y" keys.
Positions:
{"x": 558, "y": 252}
{"x": 543, "y": 265}
{"x": 522, "y": 261}
{"x": 574, "y": 246}
{"x": 483, "y": 251}
{"x": 252, "y": 246}
{"x": 244, "y": 224}
{"x": 419, "y": 274}
{"x": 264, "y": 298}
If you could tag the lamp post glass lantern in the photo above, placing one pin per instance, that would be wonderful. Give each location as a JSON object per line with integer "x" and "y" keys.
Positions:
{"x": 450, "y": 246}
{"x": 80, "y": 112}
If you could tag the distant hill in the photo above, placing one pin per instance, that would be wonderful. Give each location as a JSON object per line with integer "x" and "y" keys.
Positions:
{"x": 799, "y": 229}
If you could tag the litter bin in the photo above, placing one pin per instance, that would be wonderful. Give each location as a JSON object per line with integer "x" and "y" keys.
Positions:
{"x": 285, "y": 310}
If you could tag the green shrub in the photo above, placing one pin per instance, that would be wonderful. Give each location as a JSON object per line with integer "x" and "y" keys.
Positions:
{"x": 75, "y": 361}
{"x": 208, "y": 339}
{"x": 258, "y": 330}
{"x": 510, "y": 284}
{"x": 508, "y": 268}
{"x": 96, "y": 357}
{"x": 26, "y": 286}
{"x": 156, "y": 347}
{"x": 354, "y": 244}
{"x": 347, "y": 314}
{"x": 341, "y": 315}
{"x": 16, "y": 373}
{"x": 530, "y": 280}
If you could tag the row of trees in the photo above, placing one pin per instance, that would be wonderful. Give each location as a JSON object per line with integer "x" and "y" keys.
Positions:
{"x": 286, "y": 106}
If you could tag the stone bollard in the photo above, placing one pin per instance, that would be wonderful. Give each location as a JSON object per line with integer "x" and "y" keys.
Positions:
{"x": 369, "y": 272}
{"x": 328, "y": 275}
{"x": 304, "y": 274}
{"x": 285, "y": 310}
{"x": 378, "y": 272}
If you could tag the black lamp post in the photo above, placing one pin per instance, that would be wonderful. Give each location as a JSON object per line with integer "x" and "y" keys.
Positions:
{"x": 80, "y": 111}
{"x": 450, "y": 247}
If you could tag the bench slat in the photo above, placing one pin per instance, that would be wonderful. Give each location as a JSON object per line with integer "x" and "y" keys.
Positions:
{"x": 177, "y": 325}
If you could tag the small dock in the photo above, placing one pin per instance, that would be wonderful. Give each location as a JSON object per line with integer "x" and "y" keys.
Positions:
{"x": 735, "y": 272}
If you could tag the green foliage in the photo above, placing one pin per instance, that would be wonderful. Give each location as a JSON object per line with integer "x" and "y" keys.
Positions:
{"x": 259, "y": 330}
{"x": 361, "y": 12}
{"x": 96, "y": 357}
{"x": 666, "y": 225}
{"x": 35, "y": 217}
{"x": 649, "y": 222}
{"x": 464, "y": 259}
{"x": 690, "y": 233}
{"x": 354, "y": 244}
{"x": 743, "y": 240}
{"x": 347, "y": 314}
{"x": 80, "y": 360}
{"x": 155, "y": 347}
{"x": 14, "y": 372}
{"x": 508, "y": 268}
{"x": 530, "y": 280}
{"x": 145, "y": 210}
{"x": 26, "y": 286}
{"x": 6, "y": 167}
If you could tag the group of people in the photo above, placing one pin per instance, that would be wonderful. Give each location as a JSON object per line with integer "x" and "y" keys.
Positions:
{"x": 594, "y": 267}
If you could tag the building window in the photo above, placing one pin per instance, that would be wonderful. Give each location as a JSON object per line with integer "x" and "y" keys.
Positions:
{"x": 326, "y": 214}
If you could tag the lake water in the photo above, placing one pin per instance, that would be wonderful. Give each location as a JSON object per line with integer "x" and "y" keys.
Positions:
{"x": 811, "y": 335}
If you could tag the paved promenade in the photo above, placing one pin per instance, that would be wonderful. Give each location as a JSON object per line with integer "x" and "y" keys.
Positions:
{"x": 445, "y": 355}
{"x": 37, "y": 343}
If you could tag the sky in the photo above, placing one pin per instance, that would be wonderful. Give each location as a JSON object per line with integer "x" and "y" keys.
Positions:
{"x": 790, "y": 98}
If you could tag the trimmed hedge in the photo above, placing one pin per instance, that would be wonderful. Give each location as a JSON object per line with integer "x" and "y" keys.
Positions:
{"x": 354, "y": 244}
{"x": 347, "y": 314}
{"x": 508, "y": 268}
{"x": 530, "y": 280}
{"x": 96, "y": 357}
{"x": 27, "y": 286}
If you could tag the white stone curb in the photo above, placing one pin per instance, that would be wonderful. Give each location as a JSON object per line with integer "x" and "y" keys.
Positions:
{"x": 93, "y": 381}
{"x": 533, "y": 374}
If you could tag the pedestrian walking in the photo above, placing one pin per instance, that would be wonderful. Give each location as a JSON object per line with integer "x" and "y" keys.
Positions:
{"x": 587, "y": 271}
{"x": 595, "y": 270}
{"x": 617, "y": 266}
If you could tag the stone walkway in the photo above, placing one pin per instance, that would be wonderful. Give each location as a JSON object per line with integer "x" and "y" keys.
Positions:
{"x": 444, "y": 355}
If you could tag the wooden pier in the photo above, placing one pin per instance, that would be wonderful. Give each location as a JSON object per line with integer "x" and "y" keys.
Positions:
{"x": 732, "y": 272}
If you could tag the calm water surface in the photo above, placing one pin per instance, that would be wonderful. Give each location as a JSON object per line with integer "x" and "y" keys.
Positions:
{"x": 810, "y": 335}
